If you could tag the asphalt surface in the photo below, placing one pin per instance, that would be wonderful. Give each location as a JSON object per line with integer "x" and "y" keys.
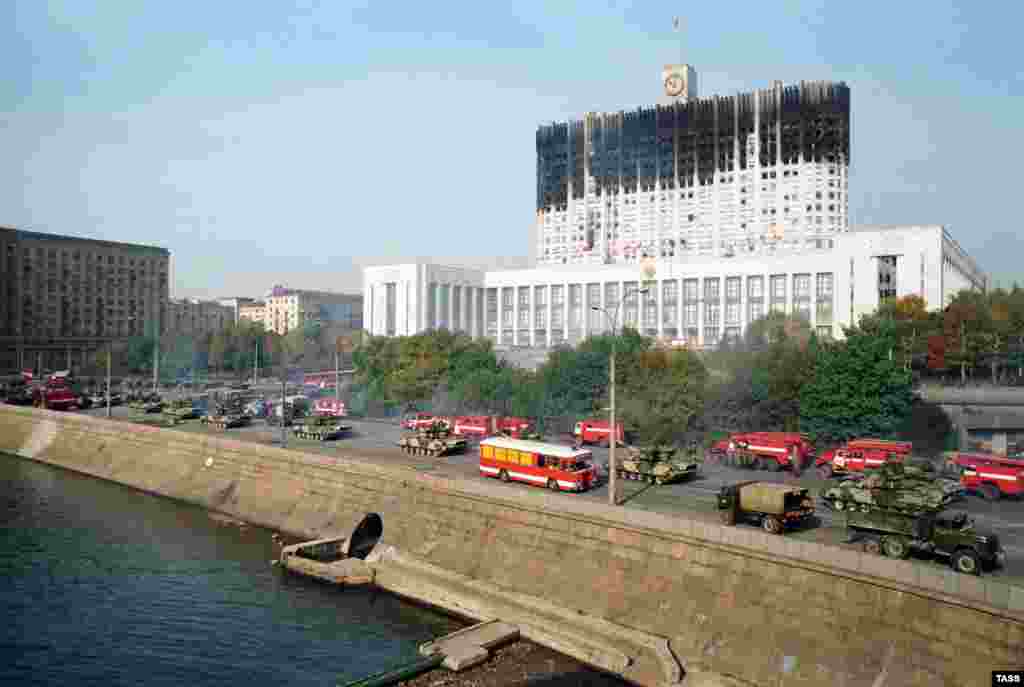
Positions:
{"x": 377, "y": 441}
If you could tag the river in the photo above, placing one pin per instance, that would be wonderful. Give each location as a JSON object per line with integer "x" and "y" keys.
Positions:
{"x": 104, "y": 585}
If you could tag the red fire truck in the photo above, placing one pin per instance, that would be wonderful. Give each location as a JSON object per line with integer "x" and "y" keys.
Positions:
{"x": 55, "y": 393}
{"x": 770, "y": 450}
{"x": 418, "y": 421}
{"x": 858, "y": 455}
{"x": 480, "y": 426}
{"x": 595, "y": 431}
{"x": 991, "y": 475}
{"x": 330, "y": 407}
{"x": 557, "y": 467}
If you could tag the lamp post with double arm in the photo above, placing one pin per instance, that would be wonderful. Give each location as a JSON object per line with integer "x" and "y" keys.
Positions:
{"x": 613, "y": 319}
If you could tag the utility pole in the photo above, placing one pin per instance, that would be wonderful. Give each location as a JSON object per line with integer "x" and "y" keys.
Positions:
{"x": 337, "y": 377}
{"x": 69, "y": 358}
{"x": 612, "y": 492}
{"x": 256, "y": 364}
{"x": 284, "y": 379}
{"x": 109, "y": 346}
{"x": 156, "y": 363}
{"x": 39, "y": 364}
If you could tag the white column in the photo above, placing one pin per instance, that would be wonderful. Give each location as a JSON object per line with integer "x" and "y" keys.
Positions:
{"x": 566, "y": 310}
{"x": 451, "y": 306}
{"x": 532, "y": 295}
{"x": 680, "y": 325}
{"x": 437, "y": 305}
{"x": 604, "y": 305}
{"x": 551, "y": 305}
{"x": 515, "y": 316}
{"x": 660, "y": 295}
{"x": 700, "y": 310}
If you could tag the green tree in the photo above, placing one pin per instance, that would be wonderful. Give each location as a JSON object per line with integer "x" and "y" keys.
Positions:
{"x": 663, "y": 393}
{"x": 140, "y": 353}
{"x": 857, "y": 390}
{"x": 217, "y": 347}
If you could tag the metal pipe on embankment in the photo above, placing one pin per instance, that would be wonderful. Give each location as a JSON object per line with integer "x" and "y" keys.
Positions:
{"x": 406, "y": 672}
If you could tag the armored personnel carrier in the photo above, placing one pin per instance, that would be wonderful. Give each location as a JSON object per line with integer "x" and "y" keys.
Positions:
{"x": 895, "y": 488}
{"x": 147, "y": 403}
{"x": 226, "y": 416}
{"x": 435, "y": 440}
{"x": 181, "y": 409}
{"x": 321, "y": 428}
{"x": 657, "y": 465}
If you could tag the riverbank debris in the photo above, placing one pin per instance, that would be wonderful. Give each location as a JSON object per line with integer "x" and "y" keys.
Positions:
{"x": 470, "y": 646}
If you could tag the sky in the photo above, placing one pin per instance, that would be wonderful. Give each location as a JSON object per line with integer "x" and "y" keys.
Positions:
{"x": 267, "y": 143}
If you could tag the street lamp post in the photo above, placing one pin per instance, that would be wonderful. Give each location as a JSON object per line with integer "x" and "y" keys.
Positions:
{"x": 612, "y": 433}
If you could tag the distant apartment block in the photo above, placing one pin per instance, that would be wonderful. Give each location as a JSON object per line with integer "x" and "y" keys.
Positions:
{"x": 191, "y": 317}
{"x": 253, "y": 312}
{"x": 60, "y": 294}
{"x": 236, "y": 305}
{"x": 286, "y": 309}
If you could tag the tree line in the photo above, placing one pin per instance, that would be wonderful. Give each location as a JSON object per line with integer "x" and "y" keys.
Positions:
{"x": 778, "y": 376}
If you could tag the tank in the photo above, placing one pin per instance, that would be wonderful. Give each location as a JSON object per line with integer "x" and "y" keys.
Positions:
{"x": 436, "y": 440}
{"x": 321, "y": 428}
{"x": 147, "y": 403}
{"x": 896, "y": 488}
{"x": 658, "y": 464}
{"x": 181, "y": 409}
{"x": 226, "y": 415}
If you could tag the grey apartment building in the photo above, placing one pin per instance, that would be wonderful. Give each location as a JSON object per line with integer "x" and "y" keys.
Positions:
{"x": 62, "y": 296}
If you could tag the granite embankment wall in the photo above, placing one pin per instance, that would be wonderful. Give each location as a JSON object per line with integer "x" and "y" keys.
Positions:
{"x": 653, "y": 597}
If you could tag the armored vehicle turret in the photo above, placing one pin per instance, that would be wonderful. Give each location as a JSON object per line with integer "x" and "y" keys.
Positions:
{"x": 435, "y": 440}
{"x": 896, "y": 488}
{"x": 657, "y": 464}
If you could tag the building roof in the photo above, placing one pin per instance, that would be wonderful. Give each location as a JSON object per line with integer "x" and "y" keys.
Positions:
{"x": 21, "y": 234}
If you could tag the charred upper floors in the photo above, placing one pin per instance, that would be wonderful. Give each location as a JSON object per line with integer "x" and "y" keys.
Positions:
{"x": 688, "y": 144}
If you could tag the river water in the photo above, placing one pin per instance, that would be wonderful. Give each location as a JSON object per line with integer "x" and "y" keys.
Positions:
{"x": 104, "y": 585}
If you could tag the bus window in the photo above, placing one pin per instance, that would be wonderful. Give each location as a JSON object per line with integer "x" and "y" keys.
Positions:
{"x": 499, "y": 454}
{"x": 525, "y": 458}
{"x": 486, "y": 451}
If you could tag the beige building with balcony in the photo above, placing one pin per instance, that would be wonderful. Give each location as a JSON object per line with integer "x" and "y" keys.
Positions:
{"x": 191, "y": 317}
{"x": 286, "y": 309}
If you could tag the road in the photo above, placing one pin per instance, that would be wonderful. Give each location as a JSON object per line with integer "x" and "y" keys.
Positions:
{"x": 377, "y": 441}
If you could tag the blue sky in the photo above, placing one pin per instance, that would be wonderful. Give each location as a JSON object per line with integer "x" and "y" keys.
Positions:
{"x": 277, "y": 142}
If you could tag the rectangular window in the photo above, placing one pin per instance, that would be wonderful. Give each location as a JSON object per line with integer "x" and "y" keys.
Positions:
{"x": 487, "y": 451}
{"x": 524, "y": 297}
{"x": 732, "y": 313}
{"x": 500, "y": 453}
{"x": 732, "y": 289}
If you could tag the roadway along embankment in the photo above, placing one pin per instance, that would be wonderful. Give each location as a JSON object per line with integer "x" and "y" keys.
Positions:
{"x": 650, "y": 596}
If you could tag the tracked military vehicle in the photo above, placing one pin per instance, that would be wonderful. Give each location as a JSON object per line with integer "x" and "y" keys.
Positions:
{"x": 227, "y": 416}
{"x": 181, "y": 409}
{"x": 435, "y": 440}
{"x": 657, "y": 465}
{"x": 147, "y": 403}
{"x": 895, "y": 488}
{"x": 321, "y": 428}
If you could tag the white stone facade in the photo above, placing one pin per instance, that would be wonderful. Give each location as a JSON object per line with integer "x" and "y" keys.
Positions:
{"x": 699, "y": 301}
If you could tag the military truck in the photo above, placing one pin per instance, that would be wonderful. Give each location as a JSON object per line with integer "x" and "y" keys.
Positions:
{"x": 946, "y": 534}
{"x": 896, "y": 488}
{"x": 772, "y": 505}
{"x": 657, "y": 465}
{"x": 321, "y": 428}
{"x": 435, "y": 440}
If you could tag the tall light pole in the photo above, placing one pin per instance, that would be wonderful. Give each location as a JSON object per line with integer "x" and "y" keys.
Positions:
{"x": 109, "y": 354}
{"x": 612, "y": 433}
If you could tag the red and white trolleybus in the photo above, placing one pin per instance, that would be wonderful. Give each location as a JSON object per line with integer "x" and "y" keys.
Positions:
{"x": 559, "y": 468}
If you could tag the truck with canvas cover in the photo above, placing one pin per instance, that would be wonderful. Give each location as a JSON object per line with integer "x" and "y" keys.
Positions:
{"x": 858, "y": 455}
{"x": 436, "y": 440}
{"x": 658, "y": 464}
{"x": 772, "y": 505}
{"x": 895, "y": 487}
{"x": 947, "y": 534}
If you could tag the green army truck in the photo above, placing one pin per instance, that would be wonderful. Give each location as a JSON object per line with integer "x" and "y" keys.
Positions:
{"x": 772, "y": 505}
{"x": 950, "y": 535}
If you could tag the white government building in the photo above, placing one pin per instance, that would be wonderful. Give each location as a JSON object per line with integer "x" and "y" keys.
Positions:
{"x": 686, "y": 221}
